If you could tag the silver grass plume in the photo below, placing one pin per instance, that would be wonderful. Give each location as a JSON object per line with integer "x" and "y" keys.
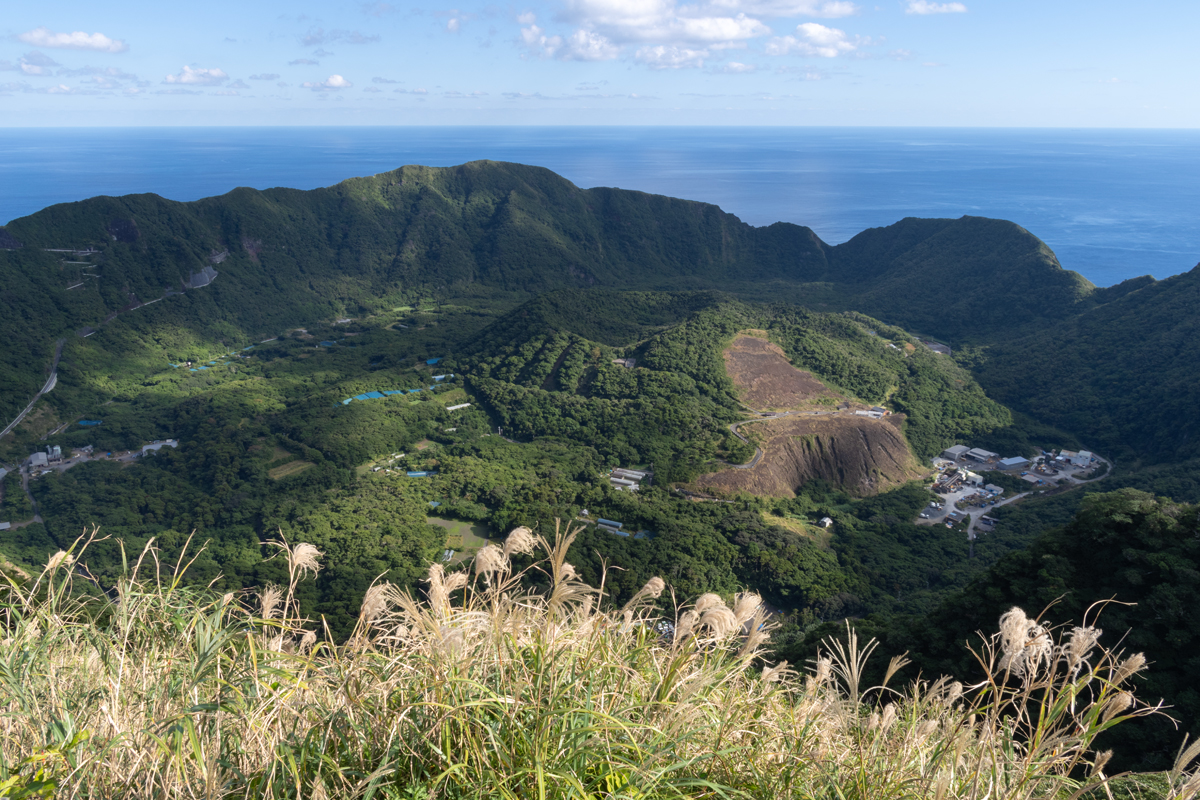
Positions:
{"x": 720, "y": 620}
{"x": 777, "y": 673}
{"x": 650, "y": 591}
{"x": 1102, "y": 759}
{"x": 1129, "y": 667}
{"x": 746, "y": 606}
{"x": 268, "y": 601}
{"x": 377, "y": 602}
{"x": 307, "y": 641}
{"x": 1026, "y": 644}
{"x": 685, "y": 626}
{"x": 1186, "y": 754}
{"x": 58, "y": 559}
{"x": 1079, "y": 646}
{"x": 1116, "y": 705}
{"x": 568, "y": 572}
{"x": 888, "y": 717}
{"x": 707, "y": 601}
{"x": 519, "y": 540}
{"x": 304, "y": 558}
{"x": 490, "y": 560}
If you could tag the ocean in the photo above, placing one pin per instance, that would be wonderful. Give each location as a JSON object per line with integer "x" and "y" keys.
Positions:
{"x": 1112, "y": 204}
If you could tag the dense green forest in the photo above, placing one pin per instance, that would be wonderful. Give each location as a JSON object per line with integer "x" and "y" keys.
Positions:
{"x": 490, "y": 302}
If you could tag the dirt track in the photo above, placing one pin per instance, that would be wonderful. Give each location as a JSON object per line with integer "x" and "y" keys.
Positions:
{"x": 863, "y": 455}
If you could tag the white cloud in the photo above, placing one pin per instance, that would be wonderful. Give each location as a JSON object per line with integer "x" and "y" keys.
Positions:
{"x": 265, "y": 76}
{"x": 736, "y": 68}
{"x": 814, "y": 39}
{"x": 830, "y": 9}
{"x": 303, "y": 62}
{"x": 528, "y": 18}
{"x": 198, "y": 77}
{"x": 539, "y": 43}
{"x": 661, "y": 21}
{"x": 926, "y": 7}
{"x": 44, "y": 37}
{"x": 238, "y": 85}
{"x": 384, "y": 80}
{"x": 35, "y": 63}
{"x": 332, "y": 83}
{"x": 590, "y": 46}
{"x": 671, "y": 57}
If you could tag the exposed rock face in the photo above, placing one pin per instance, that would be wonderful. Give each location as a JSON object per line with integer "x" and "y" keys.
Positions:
{"x": 864, "y": 456}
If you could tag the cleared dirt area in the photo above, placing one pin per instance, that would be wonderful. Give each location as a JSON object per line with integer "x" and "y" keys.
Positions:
{"x": 769, "y": 382}
{"x": 864, "y": 456}
{"x": 288, "y": 469}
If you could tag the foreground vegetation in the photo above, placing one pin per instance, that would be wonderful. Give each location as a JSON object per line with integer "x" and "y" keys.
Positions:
{"x": 487, "y": 689}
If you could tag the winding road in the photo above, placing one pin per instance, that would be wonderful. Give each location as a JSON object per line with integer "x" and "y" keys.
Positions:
{"x": 50, "y": 383}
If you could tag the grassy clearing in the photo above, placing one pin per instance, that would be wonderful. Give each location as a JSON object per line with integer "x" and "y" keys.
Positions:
{"x": 288, "y": 469}
{"x": 488, "y": 689}
{"x": 462, "y": 535}
{"x": 814, "y": 533}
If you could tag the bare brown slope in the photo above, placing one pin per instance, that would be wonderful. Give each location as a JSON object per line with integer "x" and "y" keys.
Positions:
{"x": 864, "y": 456}
{"x": 768, "y": 381}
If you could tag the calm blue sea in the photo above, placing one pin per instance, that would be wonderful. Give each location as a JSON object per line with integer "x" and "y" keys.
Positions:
{"x": 1112, "y": 204}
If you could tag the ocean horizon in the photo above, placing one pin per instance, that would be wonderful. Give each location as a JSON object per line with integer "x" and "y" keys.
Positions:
{"x": 1112, "y": 204}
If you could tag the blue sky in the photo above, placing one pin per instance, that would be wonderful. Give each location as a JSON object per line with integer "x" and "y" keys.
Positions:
{"x": 1059, "y": 63}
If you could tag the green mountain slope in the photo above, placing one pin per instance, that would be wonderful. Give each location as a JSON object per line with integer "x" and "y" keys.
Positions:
{"x": 1121, "y": 375}
{"x": 285, "y": 257}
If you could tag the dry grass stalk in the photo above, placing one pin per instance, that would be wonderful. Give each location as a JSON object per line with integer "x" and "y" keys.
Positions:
{"x": 513, "y": 692}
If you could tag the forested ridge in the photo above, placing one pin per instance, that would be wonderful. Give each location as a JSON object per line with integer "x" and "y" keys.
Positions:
{"x": 523, "y": 290}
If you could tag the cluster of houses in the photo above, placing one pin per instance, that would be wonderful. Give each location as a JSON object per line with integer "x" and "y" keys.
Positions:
{"x": 875, "y": 412}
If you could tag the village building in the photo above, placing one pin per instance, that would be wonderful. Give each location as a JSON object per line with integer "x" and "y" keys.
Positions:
{"x": 956, "y": 452}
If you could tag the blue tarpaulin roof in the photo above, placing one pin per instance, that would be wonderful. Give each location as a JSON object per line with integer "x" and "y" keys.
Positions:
{"x": 434, "y": 504}
{"x": 89, "y": 422}
{"x": 432, "y": 361}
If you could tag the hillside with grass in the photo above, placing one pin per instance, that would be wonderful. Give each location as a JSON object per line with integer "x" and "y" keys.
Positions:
{"x": 508, "y": 678}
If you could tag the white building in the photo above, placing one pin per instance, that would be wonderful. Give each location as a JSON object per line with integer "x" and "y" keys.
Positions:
{"x": 38, "y": 460}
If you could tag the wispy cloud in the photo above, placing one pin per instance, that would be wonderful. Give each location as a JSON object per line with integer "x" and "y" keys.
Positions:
{"x": 265, "y": 76}
{"x": 36, "y": 63}
{"x": 813, "y": 39}
{"x": 671, "y": 57}
{"x": 384, "y": 80}
{"x": 319, "y": 36}
{"x": 304, "y": 62}
{"x": 330, "y": 84}
{"x": 926, "y": 7}
{"x": 198, "y": 77}
{"x": 44, "y": 37}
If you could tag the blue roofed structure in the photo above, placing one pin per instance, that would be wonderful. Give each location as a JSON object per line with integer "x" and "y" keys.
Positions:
{"x": 432, "y": 361}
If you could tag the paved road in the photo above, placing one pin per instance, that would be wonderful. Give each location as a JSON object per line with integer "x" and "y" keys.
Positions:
{"x": 50, "y": 383}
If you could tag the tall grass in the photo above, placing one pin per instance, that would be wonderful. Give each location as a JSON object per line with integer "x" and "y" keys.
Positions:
{"x": 489, "y": 688}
